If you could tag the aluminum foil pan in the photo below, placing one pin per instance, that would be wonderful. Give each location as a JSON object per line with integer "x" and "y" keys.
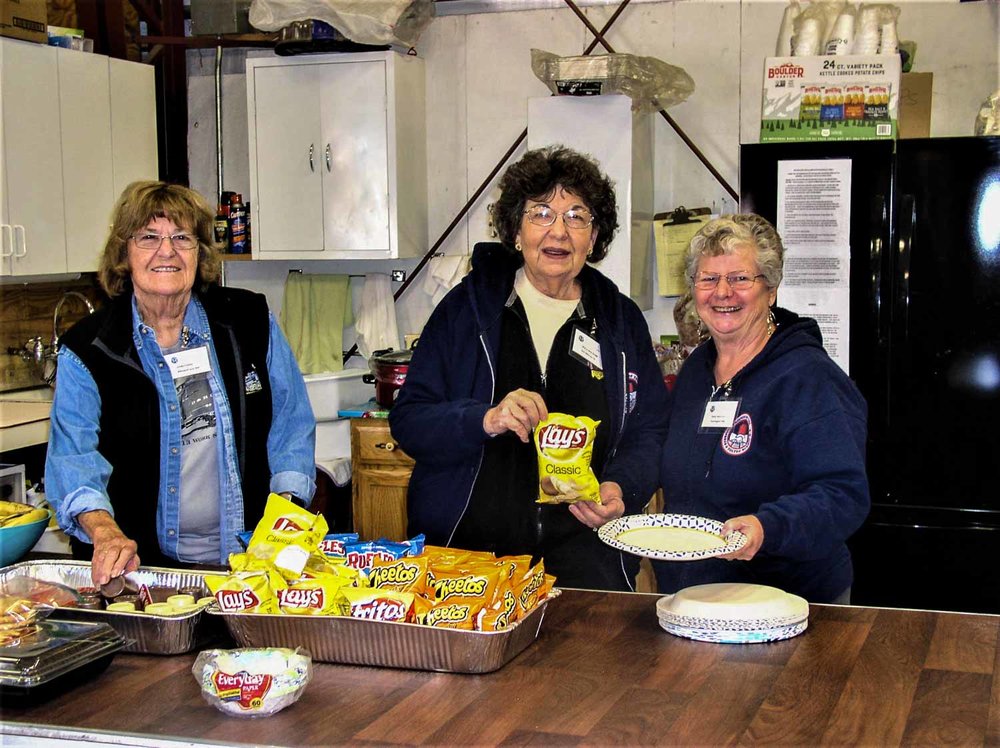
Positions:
{"x": 355, "y": 641}
{"x": 147, "y": 634}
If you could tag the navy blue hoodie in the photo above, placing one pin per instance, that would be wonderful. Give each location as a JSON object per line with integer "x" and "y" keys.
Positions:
{"x": 438, "y": 416}
{"x": 794, "y": 457}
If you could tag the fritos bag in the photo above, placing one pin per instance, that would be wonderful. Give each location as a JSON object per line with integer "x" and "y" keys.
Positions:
{"x": 565, "y": 445}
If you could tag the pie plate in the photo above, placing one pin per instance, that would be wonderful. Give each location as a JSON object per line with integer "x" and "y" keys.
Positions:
{"x": 736, "y": 637}
{"x": 732, "y": 607}
{"x": 670, "y": 537}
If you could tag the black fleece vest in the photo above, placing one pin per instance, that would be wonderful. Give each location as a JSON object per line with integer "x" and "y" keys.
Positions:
{"x": 130, "y": 423}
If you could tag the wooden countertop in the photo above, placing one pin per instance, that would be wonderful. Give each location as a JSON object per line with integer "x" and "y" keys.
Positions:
{"x": 601, "y": 672}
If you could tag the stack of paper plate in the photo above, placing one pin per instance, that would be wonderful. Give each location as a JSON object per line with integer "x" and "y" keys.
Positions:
{"x": 733, "y": 613}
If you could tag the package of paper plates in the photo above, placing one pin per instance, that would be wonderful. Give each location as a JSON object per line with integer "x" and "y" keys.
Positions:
{"x": 733, "y": 613}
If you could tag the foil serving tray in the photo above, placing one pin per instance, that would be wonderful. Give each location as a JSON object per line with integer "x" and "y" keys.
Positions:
{"x": 356, "y": 641}
{"x": 146, "y": 634}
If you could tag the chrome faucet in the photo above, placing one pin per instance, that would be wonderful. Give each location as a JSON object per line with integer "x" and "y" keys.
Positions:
{"x": 37, "y": 352}
{"x": 55, "y": 316}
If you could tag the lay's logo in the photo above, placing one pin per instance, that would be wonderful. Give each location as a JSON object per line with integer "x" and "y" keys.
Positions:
{"x": 555, "y": 436}
{"x": 284, "y": 524}
{"x": 299, "y": 598}
{"x": 235, "y": 600}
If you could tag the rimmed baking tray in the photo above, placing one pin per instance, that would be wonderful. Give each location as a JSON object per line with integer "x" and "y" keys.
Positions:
{"x": 356, "y": 641}
{"x": 147, "y": 634}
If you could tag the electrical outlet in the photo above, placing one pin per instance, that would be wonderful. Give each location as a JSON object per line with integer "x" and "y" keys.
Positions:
{"x": 398, "y": 275}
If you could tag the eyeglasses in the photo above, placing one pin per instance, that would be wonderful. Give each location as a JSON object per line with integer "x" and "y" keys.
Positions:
{"x": 150, "y": 241}
{"x": 737, "y": 282}
{"x": 574, "y": 218}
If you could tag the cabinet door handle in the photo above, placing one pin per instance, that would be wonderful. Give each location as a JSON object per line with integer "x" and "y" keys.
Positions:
{"x": 312, "y": 166}
{"x": 387, "y": 446}
{"x": 328, "y": 157}
{"x": 18, "y": 228}
{"x": 6, "y": 240}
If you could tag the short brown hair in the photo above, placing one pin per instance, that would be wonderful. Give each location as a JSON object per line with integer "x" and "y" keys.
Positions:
{"x": 537, "y": 175}
{"x": 725, "y": 234}
{"x": 139, "y": 203}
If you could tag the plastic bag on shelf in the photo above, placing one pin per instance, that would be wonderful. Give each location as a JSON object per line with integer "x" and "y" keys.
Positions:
{"x": 651, "y": 83}
{"x": 988, "y": 119}
{"x": 364, "y": 21}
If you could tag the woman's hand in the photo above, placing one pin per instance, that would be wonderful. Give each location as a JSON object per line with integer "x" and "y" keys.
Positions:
{"x": 750, "y": 526}
{"x": 519, "y": 411}
{"x": 593, "y": 515}
{"x": 114, "y": 553}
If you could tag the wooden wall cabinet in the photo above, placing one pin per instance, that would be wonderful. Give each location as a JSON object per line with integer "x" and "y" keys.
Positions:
{"x": 380, "y": 476}
{"x": 75, "y": 128}
{"x": 338, "y": 166}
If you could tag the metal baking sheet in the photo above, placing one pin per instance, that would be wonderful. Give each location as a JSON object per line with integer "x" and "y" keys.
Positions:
{"x": 356, "y": 641}
{"x": 147, "y": 634}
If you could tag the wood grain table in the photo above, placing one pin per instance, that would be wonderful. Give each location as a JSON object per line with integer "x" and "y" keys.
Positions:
{"x": 602, "y": 672}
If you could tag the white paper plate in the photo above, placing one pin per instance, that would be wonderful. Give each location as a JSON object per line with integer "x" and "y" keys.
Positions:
{"x": 732, "y": 607}
{"x": 670, "y": 537}
{"x": 736, "y": 637}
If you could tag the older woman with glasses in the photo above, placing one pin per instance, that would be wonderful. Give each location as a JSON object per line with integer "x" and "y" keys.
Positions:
{"x": 534, "y": 329}
{"x": 767, "y": 433}
{"x": 178, "y": 405}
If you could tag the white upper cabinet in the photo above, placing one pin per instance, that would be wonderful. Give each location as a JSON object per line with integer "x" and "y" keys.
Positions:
{"x": 337, "y": 156}
{"x": 60, "y": 155}
{"x": 32, "y": 217}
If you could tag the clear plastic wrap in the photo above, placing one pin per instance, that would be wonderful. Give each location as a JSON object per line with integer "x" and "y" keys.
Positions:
{"x": 24, "y": 602}
{"x": 363, "y": 21}
{"x": 252, "y": 682}
{"x": 651, "y": 83}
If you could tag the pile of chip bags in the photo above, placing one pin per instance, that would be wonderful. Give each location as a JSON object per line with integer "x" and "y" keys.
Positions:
{"x": 293, "y": 566}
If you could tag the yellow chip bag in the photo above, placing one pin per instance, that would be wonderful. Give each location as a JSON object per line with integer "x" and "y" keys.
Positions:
{"x": 314, "y": 597}
{"x": 565, "y": 445}
{"x": 286, "y": 535}
{"x": 246, "y": 591}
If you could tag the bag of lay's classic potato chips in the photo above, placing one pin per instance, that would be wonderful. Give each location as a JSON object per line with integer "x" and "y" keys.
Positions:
{"x": 565, "y": 445}
{"x": 315, "y": 597}
{"x": 286, "y": 535}
{"x": 247, "y": 591}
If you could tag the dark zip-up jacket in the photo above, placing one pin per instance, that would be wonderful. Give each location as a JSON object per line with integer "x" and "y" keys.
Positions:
{"x": 450, "y": 384}
{"x": 794, "y": 457}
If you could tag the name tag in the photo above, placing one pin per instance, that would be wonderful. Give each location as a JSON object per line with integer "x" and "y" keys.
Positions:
{"x": 586, "y": 348}
{"x": 189, "y": 361}
{"x": 719, "y": 414}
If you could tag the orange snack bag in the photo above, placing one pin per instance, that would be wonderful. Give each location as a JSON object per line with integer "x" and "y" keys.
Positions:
{"x": 286, "y": 535}
{"x": 501, "y": 614}
{"x": 407, "y": 574}
{"x": 529, "y": 591}
{"x": 458, "y": 614}
{"x": 478, "y": 583}
{"x": 565, "y": 445}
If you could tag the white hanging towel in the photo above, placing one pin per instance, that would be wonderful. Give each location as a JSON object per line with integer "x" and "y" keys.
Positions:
{"x": 376, "y": 321}
{"x": 443, "y": 274}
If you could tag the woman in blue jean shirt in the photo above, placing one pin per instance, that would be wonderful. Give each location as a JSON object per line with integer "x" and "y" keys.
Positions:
{"x": 178, "y": 406}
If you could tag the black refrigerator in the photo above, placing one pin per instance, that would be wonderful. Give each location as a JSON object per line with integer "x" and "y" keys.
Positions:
{"x": 925, "y": 352}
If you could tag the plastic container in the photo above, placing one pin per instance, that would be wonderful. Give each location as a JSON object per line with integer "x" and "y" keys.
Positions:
{"x": 16, "y": 541}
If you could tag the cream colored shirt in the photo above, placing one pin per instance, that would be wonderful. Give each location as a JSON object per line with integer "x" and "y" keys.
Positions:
{"x": 545, "y": 315}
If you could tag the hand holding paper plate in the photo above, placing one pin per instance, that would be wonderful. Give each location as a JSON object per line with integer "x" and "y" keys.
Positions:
{"x": 670, "y": 537}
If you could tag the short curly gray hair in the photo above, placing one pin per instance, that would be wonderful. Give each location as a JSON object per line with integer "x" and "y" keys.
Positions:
{"x": 726, "y": 234}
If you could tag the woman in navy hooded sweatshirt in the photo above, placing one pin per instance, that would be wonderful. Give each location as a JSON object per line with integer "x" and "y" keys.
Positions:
{"x": 767, "y": 433}
{"x": 533, "y": 329}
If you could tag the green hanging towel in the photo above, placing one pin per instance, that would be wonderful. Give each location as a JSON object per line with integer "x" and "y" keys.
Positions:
{"x": 314, "y": 313}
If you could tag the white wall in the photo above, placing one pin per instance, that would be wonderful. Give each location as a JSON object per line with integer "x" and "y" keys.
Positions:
{"x": 479, "y": 79}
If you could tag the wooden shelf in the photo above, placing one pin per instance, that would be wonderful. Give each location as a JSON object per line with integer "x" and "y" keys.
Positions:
{"x": 235, "y": 258}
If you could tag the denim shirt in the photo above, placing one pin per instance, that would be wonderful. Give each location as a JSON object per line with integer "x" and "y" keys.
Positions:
{"x": 76, "y": 474}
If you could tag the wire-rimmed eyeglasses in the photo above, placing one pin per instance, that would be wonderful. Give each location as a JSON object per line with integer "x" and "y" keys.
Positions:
{"x": 736, "y": 281}
{"x": 574, "y": 218}
{"x": 149, "y": 241}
